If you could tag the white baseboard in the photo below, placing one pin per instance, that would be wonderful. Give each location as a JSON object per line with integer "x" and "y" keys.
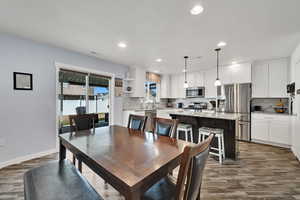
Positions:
{"x": 28, "y": 157}
{"x": 271, "y": 143}
{"x": 297, "y": 154}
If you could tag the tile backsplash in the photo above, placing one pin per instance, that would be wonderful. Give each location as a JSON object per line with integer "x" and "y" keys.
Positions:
{"x": 267, "y": 104}
{"x": 133, "y": 103}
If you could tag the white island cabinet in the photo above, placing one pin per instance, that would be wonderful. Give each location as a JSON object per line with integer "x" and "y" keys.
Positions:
{"x": 274, "y": 129}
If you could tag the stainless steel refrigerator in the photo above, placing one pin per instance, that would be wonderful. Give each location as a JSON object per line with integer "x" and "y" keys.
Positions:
{"x": 237, "y": 99}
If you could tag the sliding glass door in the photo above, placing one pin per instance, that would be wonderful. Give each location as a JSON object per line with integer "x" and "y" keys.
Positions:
{"x": 81, "y": 93}
{"x": 99, "y": 98}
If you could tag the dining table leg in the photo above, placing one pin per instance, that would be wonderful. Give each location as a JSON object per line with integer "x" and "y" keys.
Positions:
{"x": 62, "y": 151}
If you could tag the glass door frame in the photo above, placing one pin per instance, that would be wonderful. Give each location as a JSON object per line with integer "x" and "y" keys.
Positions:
{"x": 87, "y": 70}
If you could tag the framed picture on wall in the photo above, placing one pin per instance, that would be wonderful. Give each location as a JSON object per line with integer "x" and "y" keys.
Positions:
{"x": 22, "y": 81}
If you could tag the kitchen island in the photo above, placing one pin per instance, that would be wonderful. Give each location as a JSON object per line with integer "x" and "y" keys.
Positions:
{"x": 226, "y": 121}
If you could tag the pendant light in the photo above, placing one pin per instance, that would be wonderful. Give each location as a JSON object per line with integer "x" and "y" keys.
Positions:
{"x": 185, "y": 69}
{"x": 218, "y": 82}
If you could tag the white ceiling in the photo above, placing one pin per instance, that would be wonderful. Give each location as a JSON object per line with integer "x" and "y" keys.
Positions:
{"x": 253, "y": 29}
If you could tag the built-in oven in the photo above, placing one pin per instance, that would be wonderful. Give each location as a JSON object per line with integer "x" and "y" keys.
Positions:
{"x": 195, "y": 92}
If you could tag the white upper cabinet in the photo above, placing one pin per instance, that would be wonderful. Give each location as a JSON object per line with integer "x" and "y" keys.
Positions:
{"x": 181, "y": 89}
{"x": 225, "y": 75}
{"x": 174, "y": 86}
{"x": 165, "y": 86}
{"x": 269, "y": 78}
{"x": 177, "y": 89}
{"x": 278, "y": 78}
{"x": 241, "y": 73}
{"x": 260, "y": 77}
{"x": 195, "y": 79}
{"x": 209, "y": 83}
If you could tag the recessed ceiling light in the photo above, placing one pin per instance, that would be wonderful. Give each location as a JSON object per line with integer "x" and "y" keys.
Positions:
{"x": 196, "y": 10}
{"x": 122, "y": 45}
{"x": 222, "y": 44}
{"x": 158, "y": 60}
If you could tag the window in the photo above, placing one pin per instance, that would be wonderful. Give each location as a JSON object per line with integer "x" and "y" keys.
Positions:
{"x": 81, "y": 93}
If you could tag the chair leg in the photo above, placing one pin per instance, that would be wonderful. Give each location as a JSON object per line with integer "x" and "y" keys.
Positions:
{"x": 220, "y": 150}
{"x": 80, "y": 166}
{"x": 74, "y": 159}
{"x": 223, "y": 146}
{"x": 186, "y": 135}
{"x": 199, "y": 137}
{"x": 105, "y": 185}
{"x": 191, "y": 135}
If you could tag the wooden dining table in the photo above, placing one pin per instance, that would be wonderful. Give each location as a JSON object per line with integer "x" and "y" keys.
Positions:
{"x": 129, "y": 160}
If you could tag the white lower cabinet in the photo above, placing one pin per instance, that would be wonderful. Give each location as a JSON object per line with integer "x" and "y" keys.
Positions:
{"x": 280, "y": 132}
{"x": 260, "y": 129}
{"x": 271, "y": 129}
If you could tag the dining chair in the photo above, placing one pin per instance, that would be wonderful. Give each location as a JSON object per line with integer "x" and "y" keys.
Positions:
{"x": 188, "y": 185}
{"x": 80, "y": 110}
{"x": 165, "y": 127}
{"x": 80, "y": 123}
{"x": 137, "y": 122}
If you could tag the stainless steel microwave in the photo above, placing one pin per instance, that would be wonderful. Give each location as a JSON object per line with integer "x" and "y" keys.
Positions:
{"x": 195, "y": 92}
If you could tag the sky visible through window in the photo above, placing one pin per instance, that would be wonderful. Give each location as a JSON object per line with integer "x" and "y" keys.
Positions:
{"x": 101, "y": 90}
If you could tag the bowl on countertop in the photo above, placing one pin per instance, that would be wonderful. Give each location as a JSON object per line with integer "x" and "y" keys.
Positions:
{"x": 280, "y": 109}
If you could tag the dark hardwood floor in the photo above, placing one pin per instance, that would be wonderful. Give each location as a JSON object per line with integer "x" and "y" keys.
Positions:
{"x": 261, "y": 173}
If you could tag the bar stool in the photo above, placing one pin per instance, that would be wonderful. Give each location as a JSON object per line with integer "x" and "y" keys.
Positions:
{"x": 219, "y": 133}
{"x": 187, "y": 129}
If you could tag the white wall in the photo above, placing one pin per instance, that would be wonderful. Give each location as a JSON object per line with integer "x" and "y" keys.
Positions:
{"x": 28, "y": 118}
{"x": 295, "y": 77}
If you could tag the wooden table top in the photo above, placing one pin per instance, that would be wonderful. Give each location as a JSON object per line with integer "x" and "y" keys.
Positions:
{"x": 128, "y": 155}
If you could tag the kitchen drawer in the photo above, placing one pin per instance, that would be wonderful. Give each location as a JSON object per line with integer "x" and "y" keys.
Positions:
{"x": 270, "y": 129}
{"x": 280, "y": 132}
{"x": 260, "y": 130}
{"x": 263, "y": 116}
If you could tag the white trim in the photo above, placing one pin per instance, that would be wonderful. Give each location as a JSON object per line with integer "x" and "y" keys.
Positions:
{"x": 27, "y": 157}
{"x": 271, "y": 143}
{"x": 59, "y": 65}
{"x": 297, "y": 154}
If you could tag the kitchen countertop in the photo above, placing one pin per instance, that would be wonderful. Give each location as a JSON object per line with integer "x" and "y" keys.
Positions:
{"x": 144, "y": 109}
{"x": 217, "y": 115}
{"x": 273, "y": 113}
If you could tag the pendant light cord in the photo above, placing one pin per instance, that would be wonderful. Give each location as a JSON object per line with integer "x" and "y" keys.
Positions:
{"x": 218, "y": 50}
{"x": 185, "y": 67}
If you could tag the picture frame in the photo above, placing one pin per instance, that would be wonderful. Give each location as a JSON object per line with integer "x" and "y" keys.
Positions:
{"x": 23, "y": 81}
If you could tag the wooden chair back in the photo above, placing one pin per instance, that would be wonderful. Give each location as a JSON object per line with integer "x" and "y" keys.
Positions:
{"x": 83, "y": 122}
{"x": 191, "y": 170}
{"x": 137, "y": 122}
{"x": 165, "y": 127}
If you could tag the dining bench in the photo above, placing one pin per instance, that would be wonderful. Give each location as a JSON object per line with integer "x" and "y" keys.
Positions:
{"x": 58, "y": 180}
